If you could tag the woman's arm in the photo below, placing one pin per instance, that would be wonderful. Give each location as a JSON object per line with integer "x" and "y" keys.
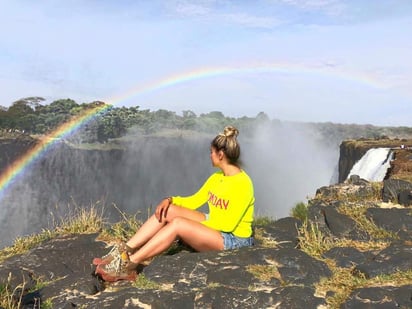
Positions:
{"x": 197, "y": 199}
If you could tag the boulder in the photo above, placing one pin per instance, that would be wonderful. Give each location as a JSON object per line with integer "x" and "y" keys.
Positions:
{"x": 397, "y": 257}
{"x": 398, "y": 191}
{"x": 380, "y": 297}
{"x": 223, "y": 279}
{"x": 395, "y": 220}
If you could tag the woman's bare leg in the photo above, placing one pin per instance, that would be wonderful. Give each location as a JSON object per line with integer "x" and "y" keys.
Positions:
{"x": 195, "y": 234}
{"x": 152, "y": 225}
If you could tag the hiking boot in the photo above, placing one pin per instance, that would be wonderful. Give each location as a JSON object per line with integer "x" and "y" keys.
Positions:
{"x": 117, "y": 269}
{"x": 116, "y": 250}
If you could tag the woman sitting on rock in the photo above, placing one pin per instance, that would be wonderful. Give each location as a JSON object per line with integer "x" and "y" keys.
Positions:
{"x": 228, "y": 225}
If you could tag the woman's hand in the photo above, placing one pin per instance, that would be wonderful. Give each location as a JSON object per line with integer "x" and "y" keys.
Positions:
{"x": 162, "y": 208}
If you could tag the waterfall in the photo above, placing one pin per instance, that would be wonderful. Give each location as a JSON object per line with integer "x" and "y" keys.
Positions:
{"x": 373, "y": 165}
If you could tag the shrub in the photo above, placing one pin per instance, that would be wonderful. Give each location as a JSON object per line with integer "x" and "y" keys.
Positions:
{"x": 300, "y": 211}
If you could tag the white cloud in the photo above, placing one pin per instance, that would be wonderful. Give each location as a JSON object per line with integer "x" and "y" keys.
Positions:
{"x": 190, "y": 9}
{"x": 332, "y": 8}
{"x": 102, "y": 49}
{"x": 251, "y": 20}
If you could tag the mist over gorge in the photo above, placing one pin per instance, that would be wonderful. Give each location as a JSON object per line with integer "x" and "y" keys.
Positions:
{"x": 286, "y": 162}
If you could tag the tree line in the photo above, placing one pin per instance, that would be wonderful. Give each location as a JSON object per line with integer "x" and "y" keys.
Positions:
{"x": 32, "y": 116}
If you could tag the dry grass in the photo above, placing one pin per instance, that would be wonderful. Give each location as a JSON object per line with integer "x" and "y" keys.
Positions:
{"x": 357, "y": 213}
{"x": 79, "y": 220}
{"x": 122, "y": 230}
{"x": 373, "y": 143}
{"x": 362, "y": 246}
{"x": 264, "y": 272}
{"x": 401, "y": 167}
{"x": 23, "y": 244}
{"x": 343, "y": 282}
{"x": 11, "y": 299}
{"x": 312, "y": 241}
{"x": 264, "y": 241}
{"x": 348, "y": 193}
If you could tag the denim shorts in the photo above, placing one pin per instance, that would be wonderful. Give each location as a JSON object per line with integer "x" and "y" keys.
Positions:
{"x": 231, "y": 241}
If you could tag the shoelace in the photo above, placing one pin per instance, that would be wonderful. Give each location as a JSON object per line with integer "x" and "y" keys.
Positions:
{"x": 114, "y": 266}
{"x": 117, "y": 264}
{"x": 113, "y": 252}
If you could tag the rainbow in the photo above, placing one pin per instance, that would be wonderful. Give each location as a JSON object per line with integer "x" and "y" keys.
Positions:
{"x": 324, "y": 70}
{"x": 17, "y": 168}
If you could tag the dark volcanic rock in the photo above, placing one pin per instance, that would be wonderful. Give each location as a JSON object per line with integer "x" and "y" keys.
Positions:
{"x": 62, "y": 262}
{"x": 405, "y": 197}
{"x": 340, "y": 225}
{"x": 347, "y": 256}
{"x": 279, "y": 276}
{"x": 349, "y": 154}
{"x": 185, "y": 280}
{"x": 284, "y": 231}
{"x": 398, "y": 221}
{"x": 294, "y": 266}
{"x": 223, "y": 279}
{"x": 330, "y": 222}
{"x": 380, "y": 297}
{"x": 397, "y": 190}
{"x": 397, "y": 257}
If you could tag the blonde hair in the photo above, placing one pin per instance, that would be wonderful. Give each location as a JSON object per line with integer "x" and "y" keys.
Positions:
{"x": 227, "y": 142}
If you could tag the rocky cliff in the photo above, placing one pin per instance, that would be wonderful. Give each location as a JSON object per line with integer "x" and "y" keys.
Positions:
{"x": 134, "y": 171}
{"x": 349, "y": 249}
{"x": 11, "y": 145}
{"x": 131, "y": 174}
{"x": 352, "y": 151}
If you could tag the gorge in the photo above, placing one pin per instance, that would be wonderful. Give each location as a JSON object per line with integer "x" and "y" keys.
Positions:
{"x": 134, "y": 173}
{"x": 352, "y": 249}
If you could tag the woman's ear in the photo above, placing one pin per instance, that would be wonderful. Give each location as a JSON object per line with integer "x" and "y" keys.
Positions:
{"x": 221, "y": 154}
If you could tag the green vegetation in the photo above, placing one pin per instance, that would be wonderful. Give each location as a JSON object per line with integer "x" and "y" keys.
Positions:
{"x": 262, "y": 221}
{"x": 28, "y": 115}
{"x": 31, "y": 116}
{"x": 143, "y": 283}
{"x": 300, "y": 211}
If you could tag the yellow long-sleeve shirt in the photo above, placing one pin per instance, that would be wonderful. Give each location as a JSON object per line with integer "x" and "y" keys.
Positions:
{"x": 231, "y": 203}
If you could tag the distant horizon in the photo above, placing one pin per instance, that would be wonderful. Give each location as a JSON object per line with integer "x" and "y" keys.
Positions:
{"x": 48, "y": 101}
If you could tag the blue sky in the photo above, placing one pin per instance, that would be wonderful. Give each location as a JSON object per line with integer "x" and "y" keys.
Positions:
{"x": 298, "y": 60}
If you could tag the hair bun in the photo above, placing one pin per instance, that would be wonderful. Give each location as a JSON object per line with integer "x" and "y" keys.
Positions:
{"x": 230, "y": 131}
